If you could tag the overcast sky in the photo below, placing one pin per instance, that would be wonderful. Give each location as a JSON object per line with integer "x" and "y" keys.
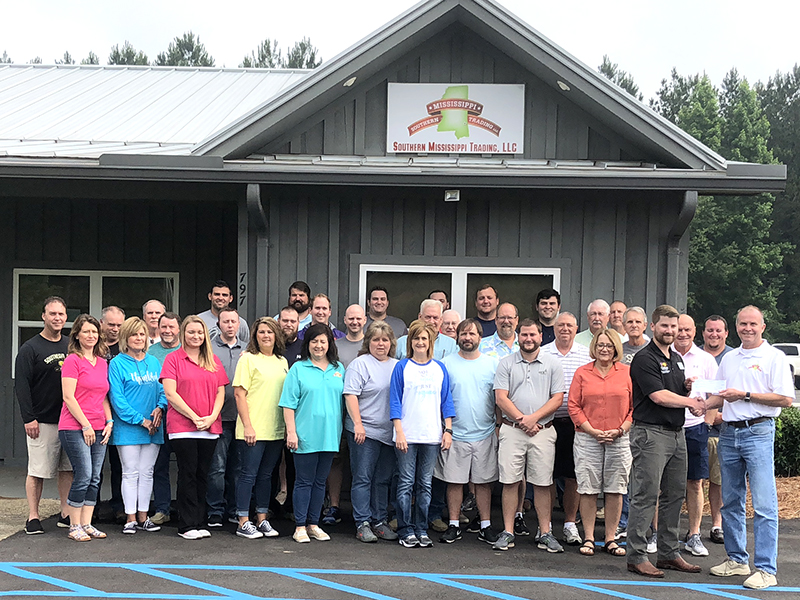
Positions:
{"x": 646, "y": 39}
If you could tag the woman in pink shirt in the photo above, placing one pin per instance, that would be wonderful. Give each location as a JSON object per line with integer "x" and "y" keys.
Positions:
{"x": 85, "y": 423}
{"x": 601, "y": 406}
{"x": 194, "y": 382}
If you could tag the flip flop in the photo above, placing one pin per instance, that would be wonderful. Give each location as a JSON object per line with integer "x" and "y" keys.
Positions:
{"x": 587, "y": 548}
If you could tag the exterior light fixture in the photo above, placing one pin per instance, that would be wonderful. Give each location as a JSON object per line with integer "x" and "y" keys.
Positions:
{"x": 452, "y": 195}
{"x": 564, "y": 87}
{"x": 349, "y": 82}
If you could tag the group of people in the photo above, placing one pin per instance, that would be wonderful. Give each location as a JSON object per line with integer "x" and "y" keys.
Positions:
{"x": 423, "y": 411}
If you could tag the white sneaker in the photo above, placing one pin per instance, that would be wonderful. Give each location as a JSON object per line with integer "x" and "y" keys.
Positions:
{"x": 652, "y": 544}
{"x": 695, "y": 545}
{"x": 571, "y": 535}
{"x": 760, "y": 580}
{"x": 729, "y": 568}
{"x": 266, "y": 529}
{"x": 192, "y": 534}
{"x": 204, "y": 533}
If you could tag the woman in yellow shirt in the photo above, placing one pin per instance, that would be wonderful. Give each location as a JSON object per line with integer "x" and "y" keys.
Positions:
{"x": 260, "y": 429}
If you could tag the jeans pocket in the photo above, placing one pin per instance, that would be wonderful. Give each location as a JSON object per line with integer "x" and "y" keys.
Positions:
{"x": 763, "y": 429}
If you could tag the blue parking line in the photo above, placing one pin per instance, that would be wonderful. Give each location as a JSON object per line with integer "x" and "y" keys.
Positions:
{"x": 300, "y": 576}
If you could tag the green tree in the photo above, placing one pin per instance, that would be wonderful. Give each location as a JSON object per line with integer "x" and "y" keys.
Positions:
{"x": 91, "y": 59}
{"x": 5, "y": 59}
{"x": 673, "y": 95}
{"x": 66, "y": 59}
{"x": 186, "y": 51}
{"x": 127, "y": 55}
{"x": 699, "y": 116}
{"x": 266, "y": 56}
{"x": 620, "y": 77}
{"x": 303, "y": 55}
{"x": 35, "y": 61}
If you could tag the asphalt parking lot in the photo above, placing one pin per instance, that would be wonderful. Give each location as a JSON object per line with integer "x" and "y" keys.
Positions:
{"x": 162, "y": 565}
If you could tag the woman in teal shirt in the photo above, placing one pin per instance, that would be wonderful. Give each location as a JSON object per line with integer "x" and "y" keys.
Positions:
{"x": 312, "y": 405}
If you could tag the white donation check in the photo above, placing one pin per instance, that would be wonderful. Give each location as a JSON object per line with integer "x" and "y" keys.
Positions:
{"x": 708, "y": 386}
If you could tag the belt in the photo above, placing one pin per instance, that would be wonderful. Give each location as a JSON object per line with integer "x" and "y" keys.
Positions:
{"x": 655, "y": 426}
{"x": 748, "y": 422}
{"x": 518, "y": 426}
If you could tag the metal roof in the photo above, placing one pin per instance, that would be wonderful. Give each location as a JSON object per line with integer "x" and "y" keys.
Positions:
{"x": 86, "y": 111}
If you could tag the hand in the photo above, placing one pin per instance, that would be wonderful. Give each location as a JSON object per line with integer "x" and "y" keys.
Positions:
{"x": 401, "y": 443}
{"x": 32, "y": 429}
{"x": 148, "y": 424}
{"x": 688, "y": 383}
{"x": 89, "y": 436}
{"x": 529, "y": 424}
{"x": 249, "y": 435}
{"x": 292, "y": 441}
{"x": 732, "y": 395}
{"x": 699, "y": 408}
{"x": 718, "y": 418}
{"x": 359, "y": 433}
{"x": 203, "y": 423}
{"x": 447, "y": 440}
{"x": 156, "y": 417}
{"x": 107, "y": 433}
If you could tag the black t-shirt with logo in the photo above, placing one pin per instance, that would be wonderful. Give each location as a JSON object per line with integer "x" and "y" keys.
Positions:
{"x": 651, "y": 371}
{"x": 37, "y": 379}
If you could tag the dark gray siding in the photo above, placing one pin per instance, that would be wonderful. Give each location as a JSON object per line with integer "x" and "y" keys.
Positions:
{"x": 555, "y": 127}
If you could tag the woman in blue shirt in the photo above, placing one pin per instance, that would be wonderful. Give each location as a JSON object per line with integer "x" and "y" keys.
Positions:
{"x": 312, "y": 409}
{"x": 138, "y": 405}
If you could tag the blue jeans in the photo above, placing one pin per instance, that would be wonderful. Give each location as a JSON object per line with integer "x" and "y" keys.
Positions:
{"x": 257, "y": 463}
{"x": 87, "y": 464}
{"x": 162, "y": 487}
{"x": 373, "y": 465}
{"x": 415, "y": 470}
{"x": 748, "y": 453}
{"x": 223, "y": 473}
{"x": 311, "y": 473}
{"x": 438, "y": 506}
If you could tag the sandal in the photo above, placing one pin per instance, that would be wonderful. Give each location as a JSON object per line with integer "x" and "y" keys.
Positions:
{"x": 614, "y": 549}
{"x": 587, "y": 548}
{"x": 77, "y": 534}
{"x": 91, "y": 531}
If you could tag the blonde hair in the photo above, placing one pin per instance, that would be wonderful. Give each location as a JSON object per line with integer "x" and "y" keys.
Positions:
{"x": 206, "y": 358}
{"x": 414, "y": 331}
{"x": 375, "y": 329}
{"x": 613, "y": 336}
{"x": 129, "y": 327}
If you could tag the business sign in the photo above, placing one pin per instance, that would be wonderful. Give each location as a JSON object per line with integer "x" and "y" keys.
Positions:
{"x": 464, "y": 118}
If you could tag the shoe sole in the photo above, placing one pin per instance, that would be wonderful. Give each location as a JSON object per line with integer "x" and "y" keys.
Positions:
{"x": 550, "y": 550}
{"x": 249, "y": 536}
{"x": 730, "y": 574}
{"x": 404, "y": 545}
{"x": 128, "y": 531}
{"x": 503, "y": 548}
{"x": 271, "y": 533}
{"x": 449, "y": 541}
{"x": 33, "y": 532}
{"x": 214, "y": 524}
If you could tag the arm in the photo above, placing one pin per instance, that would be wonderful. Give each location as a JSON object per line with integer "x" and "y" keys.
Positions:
{"x": 766, "y": 398}
{"x": 447, "y": 437}
{"x": 119, "y": 401}
{"x": 506, "y": 406}
{"x": 291, "y": 431}
{"x": 109, "y": 421}
{"x": 531, "y": 422}
{"x": 396, "y": 406}
{"x": 673, "y": 400}
{"x": 206, "y": 422}
{"x": 68, "y": 387}
{"x": 351, "y": 403}
{"x": 23, "y": 367}
{"x": 178, "y": 403}
{"x": 244, "y": 414}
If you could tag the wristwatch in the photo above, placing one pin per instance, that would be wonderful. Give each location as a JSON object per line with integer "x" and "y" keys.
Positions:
{"x": 747, "y": 396}
{"x": 448, "y": 430}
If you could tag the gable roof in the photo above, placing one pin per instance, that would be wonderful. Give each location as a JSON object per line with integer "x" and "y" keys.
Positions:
{"x": 590, "y": 90}
{"x": 86, "y": 111}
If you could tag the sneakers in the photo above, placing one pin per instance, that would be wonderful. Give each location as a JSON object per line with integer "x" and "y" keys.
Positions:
{"x": 33, "y": 526}
{"x": 204, "y": 533}
{"x": 215, "y": 520}
{"x": 547, "y": 541}
{"x": 730, "y": 568}
{"x": 620, "y": 533}
{"x": 63, "y": 521}
{"x": 474, "y": 525}
{"x": 301, "y": 536}
{"x": 452, "y": 534}
{"x": 365, "y": 534}
{"x": 148, "y": 526}
{"x": 249, "y": 531}
{"x": 316, "y": 533}
{"x": 519, "y": 526}
{"x": 332, "y": 517}
{"x": 717, "y": 536}
{"x": 652, "y": 543}
{"x": 469, "y": 503}
{"x": 425, "y": 541}
{"x": 695, "y": 545}
{"x": 192, "y": 534}
{"x": 487, "y": 535}
{"x": 267, "y": 530}
{"x": 129, "y": 527}
{"x": 439, "y": 526}
{"x": 760, "y": 580}
{"x": 160, "y": 518}
{"x": 383, "y": 531}
{"x": 409, "y": 541}
{"x": 571, "y": 535}
{"x": 504, "y": 541}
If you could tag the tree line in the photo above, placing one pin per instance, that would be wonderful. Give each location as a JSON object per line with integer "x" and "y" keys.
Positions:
{"x": 188, "y": 51}
{"x": 741, "y": 248}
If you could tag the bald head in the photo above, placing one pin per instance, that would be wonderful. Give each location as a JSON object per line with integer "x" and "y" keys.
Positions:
{"x": 686, "y": 332}
{"x": 354, "y": 319}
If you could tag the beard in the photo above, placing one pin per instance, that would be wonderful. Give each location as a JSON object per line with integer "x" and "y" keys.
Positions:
{"x": 529, "y": 347}
{"x": 300, "y": 306}
{"x": 467, "y": 345}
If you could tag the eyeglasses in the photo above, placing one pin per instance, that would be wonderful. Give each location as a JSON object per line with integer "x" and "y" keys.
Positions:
{"x": 605, "y": 346}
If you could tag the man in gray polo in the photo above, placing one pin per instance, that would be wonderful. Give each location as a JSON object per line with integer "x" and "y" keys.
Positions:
{"x": 529, "y": 388}
{"x": 350, "y": 344}
{"x": 377, "y": 305}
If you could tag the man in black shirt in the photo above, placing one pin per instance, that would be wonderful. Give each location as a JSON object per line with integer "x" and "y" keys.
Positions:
{"x": 658, "y": 447}
{"x": 37, "y": 384}
{"x": 110, "y": 324}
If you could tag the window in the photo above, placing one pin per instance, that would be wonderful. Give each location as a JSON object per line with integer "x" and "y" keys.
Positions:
{"x": 84, "y": 291}
{"x": 408, "y": 285}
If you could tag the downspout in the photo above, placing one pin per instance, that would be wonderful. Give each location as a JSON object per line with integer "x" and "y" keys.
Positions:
{"x": 258, "y": 219}
{"x": 677, "y": 289}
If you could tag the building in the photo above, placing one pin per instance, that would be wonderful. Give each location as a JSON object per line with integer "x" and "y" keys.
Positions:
{"x": 118, "y": 184}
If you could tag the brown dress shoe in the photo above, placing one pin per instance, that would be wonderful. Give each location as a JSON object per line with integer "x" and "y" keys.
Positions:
{"x": 678, "y": 564}
{"x": 645, "y": 569}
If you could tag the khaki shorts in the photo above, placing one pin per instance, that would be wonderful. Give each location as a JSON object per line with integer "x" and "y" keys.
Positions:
{"x": 714, "y": 474}
{"x": 46, "y": 457}
{"x": 521, "y": 455}
{"x": 468, "y": 462}
{"x": 602, "y": 467}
